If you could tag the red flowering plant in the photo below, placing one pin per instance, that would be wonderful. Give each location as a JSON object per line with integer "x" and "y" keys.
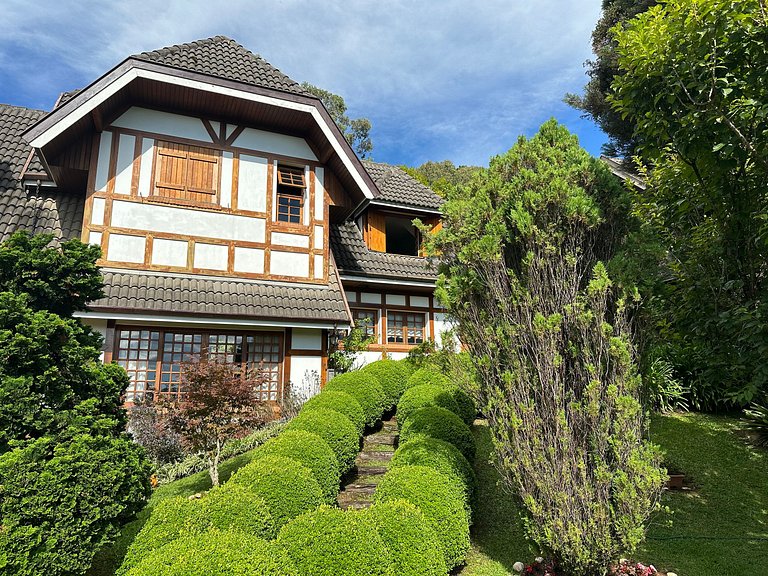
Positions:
{"x": 542, "y": 567}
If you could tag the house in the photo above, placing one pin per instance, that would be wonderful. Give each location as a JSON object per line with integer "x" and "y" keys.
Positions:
{"x": 234, "y": 219}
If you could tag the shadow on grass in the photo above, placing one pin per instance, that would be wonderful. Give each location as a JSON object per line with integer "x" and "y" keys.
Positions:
{"x": 109, "y": 558}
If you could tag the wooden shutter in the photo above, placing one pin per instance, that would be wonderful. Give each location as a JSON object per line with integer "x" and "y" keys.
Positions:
{"x": 186, "y": 173}
{"x": 376, "y": 232}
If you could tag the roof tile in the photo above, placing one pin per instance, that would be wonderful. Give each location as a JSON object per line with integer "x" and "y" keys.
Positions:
{"x": 397, "y": 187}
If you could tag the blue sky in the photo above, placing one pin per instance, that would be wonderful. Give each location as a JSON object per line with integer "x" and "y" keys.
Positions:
{"x": 455, "y": 80}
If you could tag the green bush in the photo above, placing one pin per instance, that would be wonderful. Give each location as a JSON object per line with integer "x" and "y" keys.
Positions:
{"x": 62, "y": 499}
{"x": 331, "y": 542}
{"x": 413, "y": 546}
{"x": 467, "y": 408}
{"x": 336, "y": 429}
{"x": 441, "y": 502}
{"x": 439, "y": 455}
{"x": 340, "y": 402}
{"x": 310, "y": 450}
{"x": 366, "y": 390}
{"x": 232, "y": 507}
{"x": 422, "y": 396}
{"x": 214, "y": 553}
{"x": 442, "y": 424}
{"x": 392, "y": 376}
{"x": 428, "y": 375}
{"x": 288, "y": 487}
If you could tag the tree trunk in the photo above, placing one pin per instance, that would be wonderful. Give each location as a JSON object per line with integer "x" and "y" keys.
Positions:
{"x": 213, "y": 465}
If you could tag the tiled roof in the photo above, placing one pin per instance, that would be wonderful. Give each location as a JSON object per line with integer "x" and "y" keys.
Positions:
{"x": 355, "y": 259}
{"x": 224, "y": 58}
{"x": 180, "y": 294}
{"x": 397, "y": 187}
{"x": 43, "y": 211}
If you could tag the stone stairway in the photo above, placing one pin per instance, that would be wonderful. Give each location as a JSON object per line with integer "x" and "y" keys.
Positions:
{"x": 370, "y": 466}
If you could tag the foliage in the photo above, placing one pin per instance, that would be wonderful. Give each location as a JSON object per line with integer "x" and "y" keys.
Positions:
{"x": 356, "y": 131}
{"x": 311, "y": 451}
{"x": 440, "y": 176}
{"x": 343, "y": 358}
{"x": 340, "y": 402}
{"x": 288, "y": 487}
{"x": 335, "y": 429}
{"x": 521, "y": 250}
{"x": 150, "y": 431}
{"x": 441, "y": 456}
{"x": 442, "y": 424}
{"x": 441, "y": 502}
{"x": 62, "y": 498}
{"x": 428, "y": 375}
{"x": 365, "y": 388}
{"x": 757, "y": 423}
{"x": 332, "y": 542}
{"x": 412, "y": 545}
{"x": 601, "y": 71}
{"x": 422, "y": 396}
{"x": 217, "y": 403}
{"x": 392, "y": 376}
{"x": 229, "y": 553}
{"x": 664, "y": 390}
{"x": 693, "y": 83}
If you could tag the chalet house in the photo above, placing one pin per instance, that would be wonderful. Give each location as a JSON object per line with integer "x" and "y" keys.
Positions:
{"x": 234, "y": 219}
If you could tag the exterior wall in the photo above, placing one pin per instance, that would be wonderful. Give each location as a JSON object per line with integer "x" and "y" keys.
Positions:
{"x": 236, "y": 233}
{"x": 307, "y": 361}
{"x": 101, "y": 326}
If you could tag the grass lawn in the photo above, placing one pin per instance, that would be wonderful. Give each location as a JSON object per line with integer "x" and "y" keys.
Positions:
{"x": 719, "y": 529}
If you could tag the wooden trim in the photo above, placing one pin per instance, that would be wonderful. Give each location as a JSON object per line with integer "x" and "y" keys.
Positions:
{"x": 136, "y": 168}
{"x": 211, "y": 131}
{"x": 233, "y": 195}
{"x": 298, "y": 352}
{"x": 287, "y": 337}
{"x": 324, "y": 358}
{"x": 232, "y": 137}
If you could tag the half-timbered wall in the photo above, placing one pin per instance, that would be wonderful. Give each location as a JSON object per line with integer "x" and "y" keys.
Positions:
{"x": 176, "y": 193}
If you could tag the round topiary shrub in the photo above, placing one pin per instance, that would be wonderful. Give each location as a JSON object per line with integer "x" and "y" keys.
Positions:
{"x": 422, "y": 396}
{"x": 332, "y": 542}
{"x": 288, "y": 487}
{"x": 340, "y": 402}
{"x": 310, "y": 450}
{"x": 392, "y": 376}
{"x": 333, "y": 427}
{"x": 414, "y": 548}
{"x": 428, "y": 375}
{"x": 441, "y": 502}
{"x": 366, "y": 390}
{"x": 442, "y": 424}
{"x": 407, "y": 367}
{"x": 441, "y": 456}
{"x": 229, "y": 553}
{"x": 467, "y": 409}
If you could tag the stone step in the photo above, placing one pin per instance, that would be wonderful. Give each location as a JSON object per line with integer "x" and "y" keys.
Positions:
{"x": 381, "y": 439}
{"x": 383, "y": 455}
{"x": 355, "y": 505}
{"x": 372, "y": 470}
{"x": 361, "y": 485}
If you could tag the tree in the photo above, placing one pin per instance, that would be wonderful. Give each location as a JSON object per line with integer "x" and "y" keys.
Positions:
{"x": 522, "y": 251}
{"x": 69, "y": 475}
{"x": 441, "y": 175}
{"x": 601, "y": 71}
{"x": 356, "y": 131}
{"x": 217, "y": 403}
{"x": 693, "y": 83}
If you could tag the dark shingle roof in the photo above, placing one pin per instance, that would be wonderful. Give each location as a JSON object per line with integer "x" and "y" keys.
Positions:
{"x": 179, "y": 294}
{"x": 224, "y": 58}
{"x": 397, "y": 187}
{"x": 355, "y": 259}
{"x": 43, "y": 211}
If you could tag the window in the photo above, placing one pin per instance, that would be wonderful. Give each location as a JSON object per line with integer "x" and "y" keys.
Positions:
{"x": 153, "y": 358}
{"x": 405, "y": 327}
{"x": 186, "y": 174}
{"x": 402, "y": 236}
{"x": 367, "y": 319}
{"x": 291, "y": 186}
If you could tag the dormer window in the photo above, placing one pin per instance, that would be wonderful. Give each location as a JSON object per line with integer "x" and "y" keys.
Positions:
{"x": 291, "y": 186}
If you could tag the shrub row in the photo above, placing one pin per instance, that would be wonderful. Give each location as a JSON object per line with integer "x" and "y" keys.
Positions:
{"x": 429, "y": 387}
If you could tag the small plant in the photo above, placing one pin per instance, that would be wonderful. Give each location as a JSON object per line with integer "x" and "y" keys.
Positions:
{"x": 343, "y": 358}
{"x": 150, "y": 430}
{"x": 664, "y": 391}
{"x": 757, "y": 423}
{"x": 542, "y": 567}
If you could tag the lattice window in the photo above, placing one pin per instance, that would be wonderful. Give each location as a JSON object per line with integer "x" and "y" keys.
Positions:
{"x": 368, "y": 320}
{"x": 405, "y": 327}
{"x": 291, "y": 192}
{"x": 137, "y": 352}
{"x": 264, "y": 359}
{"x": 186, "y": 174}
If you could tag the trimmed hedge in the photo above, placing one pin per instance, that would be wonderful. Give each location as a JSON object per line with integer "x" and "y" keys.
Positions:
{"x": 442, "y": 424}
{"x": 438, "y": 455}
{"x": 340, "y": 402}
{"x": 310, "y": 450}
{"x": 441, "y": 502}
{"x": 366, "y": 390}
{"x": 288, "y": 487}
{"x": 422, "y": 396}
{"x": 227, "y": 508}
{"x": 392, "y": 376}
{"x": 467, "y": 408}
{"x": 414, "y": 548}
{"x": 216, "y": 553}
{"x": 336, "y": 429}
{"x": 331, "y": 542}
{"x": 428, "y": 375}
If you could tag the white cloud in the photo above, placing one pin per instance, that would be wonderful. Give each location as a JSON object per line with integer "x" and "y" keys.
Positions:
{"x": 450, "y": 79}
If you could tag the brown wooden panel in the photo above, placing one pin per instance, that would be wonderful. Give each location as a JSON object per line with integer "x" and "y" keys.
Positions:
{"x": 376, "y": 236}
{"x": 188, "y": 173}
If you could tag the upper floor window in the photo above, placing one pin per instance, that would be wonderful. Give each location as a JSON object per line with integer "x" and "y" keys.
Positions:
{"x": 291, "y": 187}
{"x": 402, "y": 236}
{"x": 186, "y": 174}
{"x": 405, "y": 327}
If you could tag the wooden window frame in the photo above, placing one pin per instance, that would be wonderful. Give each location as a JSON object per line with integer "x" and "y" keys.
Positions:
{"x": 215, "y": 193}
{"x": 291, "y": 184}
{"x": 405, "y": 327}
{"x": 376, "y": 321}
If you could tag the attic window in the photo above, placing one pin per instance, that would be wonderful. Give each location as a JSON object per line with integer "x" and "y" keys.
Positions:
{"x": 291, "y": 187}
{"x": 402, "y": 236}
{"x": 290, "y": 177}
